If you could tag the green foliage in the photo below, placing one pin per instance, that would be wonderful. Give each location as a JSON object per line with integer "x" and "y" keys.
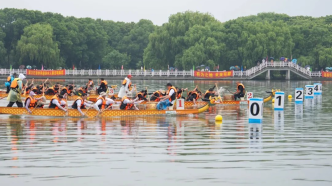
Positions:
{"x": 115, "y": 59}
{"x": 188, "y": 39}
{"x": 36, "y": 46}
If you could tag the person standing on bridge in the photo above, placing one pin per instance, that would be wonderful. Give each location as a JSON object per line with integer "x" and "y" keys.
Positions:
{"x": 239, "y": 91}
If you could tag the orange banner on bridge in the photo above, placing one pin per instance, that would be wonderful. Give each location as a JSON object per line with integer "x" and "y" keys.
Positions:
{"x": 327, "y": 74}
{"x": 46, "y": 72}
{"x": 212, "y": 75}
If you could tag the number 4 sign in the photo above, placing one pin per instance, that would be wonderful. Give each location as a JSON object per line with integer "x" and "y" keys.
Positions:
{"x": 180, "y": 104}
{"x": 250, "y": 95}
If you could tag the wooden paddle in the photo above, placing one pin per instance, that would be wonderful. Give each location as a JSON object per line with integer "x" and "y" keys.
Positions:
{"x": 44, "y": 86}
{"x": 25, "y": 88}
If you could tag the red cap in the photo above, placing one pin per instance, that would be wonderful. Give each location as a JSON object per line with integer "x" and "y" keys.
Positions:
{"x": 129, "y": 76}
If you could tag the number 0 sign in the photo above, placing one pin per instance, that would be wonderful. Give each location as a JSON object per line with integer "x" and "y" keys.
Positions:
{"x": 180, "y": 104}
{"x": 255, "y": 110}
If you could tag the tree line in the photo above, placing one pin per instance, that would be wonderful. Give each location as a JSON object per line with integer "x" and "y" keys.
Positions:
{"x": 188, "y": 39}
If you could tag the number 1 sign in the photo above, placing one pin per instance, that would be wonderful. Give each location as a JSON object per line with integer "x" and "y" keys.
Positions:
{"x": 279, "y": 101}
{"x": 180, "y": 104}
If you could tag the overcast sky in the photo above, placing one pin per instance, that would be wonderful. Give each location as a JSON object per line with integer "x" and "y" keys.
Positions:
{"x": 159, "y": 10}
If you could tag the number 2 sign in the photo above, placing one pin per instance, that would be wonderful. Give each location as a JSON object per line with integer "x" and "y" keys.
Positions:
{"x": 250, "y": 95}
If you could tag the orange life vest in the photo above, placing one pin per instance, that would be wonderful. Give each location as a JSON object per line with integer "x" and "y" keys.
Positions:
{"x": 103, "y": 104}
{"x": 90, "y": 83}
{"x": 142, "y": 94}
{"x": 194, "y": 93}
{"x": 105, "y": 82}
{"x": 32, "y": 102}
{"x": 173, "y": 95}
{"x": 124, "y": 82}
{"x": 124, "y": 106}
{"x": 51, "y": 105}
{"x": 14, "y": 84}
{"x": 75, "y": 106}
{"x": 242, "y": 86}
{"x": 179, "y": 95}
{"x": 9, "y": 78}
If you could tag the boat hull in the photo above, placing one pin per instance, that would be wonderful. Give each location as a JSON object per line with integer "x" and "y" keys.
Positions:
{"x": 109, "y": 113}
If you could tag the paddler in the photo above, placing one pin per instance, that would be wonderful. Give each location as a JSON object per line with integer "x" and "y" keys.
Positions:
{"x": 9, "y": 81}
{"x": 53, "y": 90}
{"x": 56, "y": 102}
{"x": 80, "y": 103}
{"x": 31, "y": 102}
{"x": 68, "y": 89}
{"x": 15, "y": 91}
{"x": 157, "y": 95}
{"x": 128, "y": 104}
{"x": 104, "y": 103}
{"x": 194, "y": 95}
{"x": 102, "y": 86}
{"x": 239, "y": 91}
{"x": 170, "y": 94}
{"x": 90, "y": 85}
{"x": 209, "y": 93}
{"x": 180, "y": 92}
{"x": 142, "y": 95}
{"x": 126, "y": 86}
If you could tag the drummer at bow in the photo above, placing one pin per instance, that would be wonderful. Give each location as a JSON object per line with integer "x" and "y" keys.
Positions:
{"x": 239, "y": 91}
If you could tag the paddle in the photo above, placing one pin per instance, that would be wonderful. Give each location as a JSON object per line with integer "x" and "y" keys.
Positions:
{"x": 44, "y": 86}
{"x": 25, "y": 88}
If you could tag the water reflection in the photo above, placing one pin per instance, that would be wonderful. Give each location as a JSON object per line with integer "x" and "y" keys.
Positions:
{"x": 294, "y": 145}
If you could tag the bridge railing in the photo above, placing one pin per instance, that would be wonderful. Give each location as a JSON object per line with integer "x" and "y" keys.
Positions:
{"x": 176, "y": 73}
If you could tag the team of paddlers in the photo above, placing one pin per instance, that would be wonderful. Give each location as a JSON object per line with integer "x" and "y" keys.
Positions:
{"x": 104, "y": 102}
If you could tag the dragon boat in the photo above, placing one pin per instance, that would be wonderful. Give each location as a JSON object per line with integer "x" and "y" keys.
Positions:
{"x": 229, "y": 99}
{"x": 146, "y": 109}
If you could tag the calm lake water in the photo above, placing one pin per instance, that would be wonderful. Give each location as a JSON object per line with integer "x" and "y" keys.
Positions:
{"x": 293, "y": 147}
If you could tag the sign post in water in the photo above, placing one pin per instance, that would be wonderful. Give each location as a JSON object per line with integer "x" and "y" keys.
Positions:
{"x": 255, "y": 110}
{"x": 317, "y": 88}
{"x": 250, "y": 95}
{"x": 299, "y": 95}
{"x": 279, "y": 101}
{"x": 309, "y": 92}
{"x": 180, "y": 104}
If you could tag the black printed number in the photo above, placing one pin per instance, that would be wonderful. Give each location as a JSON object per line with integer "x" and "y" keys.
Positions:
{"x": 252, "y": 107}
{"x": 310, "y": 91}
{"x": 300, "y": 94}
{"x": 279, "y": 100}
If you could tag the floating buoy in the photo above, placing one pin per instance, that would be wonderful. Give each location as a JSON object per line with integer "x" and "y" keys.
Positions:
{"x": 218, "y": 123}
{"x": 218, "y": 118}
{"x": 290, "y": 96}
{"x": 272, "y": 100}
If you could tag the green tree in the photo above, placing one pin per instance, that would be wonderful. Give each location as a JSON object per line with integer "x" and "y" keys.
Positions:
{"x": 36, "y": 46}
{"x": 115, "y": 59}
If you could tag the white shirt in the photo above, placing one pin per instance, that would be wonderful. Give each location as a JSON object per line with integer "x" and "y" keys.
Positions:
{"x": 56, "y": 102}
{"x": 79, "y": 104}
{"x": 126, "y": 101}
{"x": 99, "y": 102}
{"x": 171, "y": 92}
{"x": 127, "y": 84}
